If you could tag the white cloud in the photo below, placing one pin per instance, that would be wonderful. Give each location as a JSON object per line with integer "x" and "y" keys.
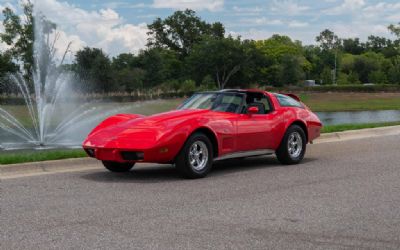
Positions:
{"x": 288, "y": 7}
{"x": 125, "y": 5}
{"x": 247, "y": 9}
{"x": 211, "y": 5}
{"x": 359, "y": 30}
{"x": 382, "y": 11}
{"x": 265, "y": 21}
{"x": 297, "y": 24}
{"x": 104, "y": 29}
{"x": 345, "y": 7}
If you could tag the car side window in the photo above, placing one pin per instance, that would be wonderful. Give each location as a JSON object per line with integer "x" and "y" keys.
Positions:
{"x": 287, "y": 101}
{"x": 264, "y": 100}
{"x": 259, "y": 100}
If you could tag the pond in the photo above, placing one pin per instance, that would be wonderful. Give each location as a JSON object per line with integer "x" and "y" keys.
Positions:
{"x": 344, "y": 117}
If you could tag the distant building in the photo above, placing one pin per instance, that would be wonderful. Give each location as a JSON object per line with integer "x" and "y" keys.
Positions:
{"x": 309, "y": 83}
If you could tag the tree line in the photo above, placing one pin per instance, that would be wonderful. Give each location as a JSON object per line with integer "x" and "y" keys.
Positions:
{"x": 184, "y": 53}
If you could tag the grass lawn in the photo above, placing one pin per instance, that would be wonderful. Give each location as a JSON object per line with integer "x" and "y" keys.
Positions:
{"x": 344, "y": 127}
{"x": 46, "y": 155}
{"x": 9, "y": 157}
{"x": 331, "y": 101}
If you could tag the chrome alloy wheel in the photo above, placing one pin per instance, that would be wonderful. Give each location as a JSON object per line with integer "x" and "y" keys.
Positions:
{"x": 198, "y": 155}
{"x": 295, "y": 145}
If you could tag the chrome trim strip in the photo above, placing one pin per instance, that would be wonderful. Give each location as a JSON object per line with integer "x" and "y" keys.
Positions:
{"x": 245, "y": 154}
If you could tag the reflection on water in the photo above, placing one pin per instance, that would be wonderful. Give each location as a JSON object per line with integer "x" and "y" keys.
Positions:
{"x": 333, "y": 118}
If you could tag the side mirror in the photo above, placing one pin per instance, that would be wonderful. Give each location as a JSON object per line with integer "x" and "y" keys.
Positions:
{"x": 253, "y": 110}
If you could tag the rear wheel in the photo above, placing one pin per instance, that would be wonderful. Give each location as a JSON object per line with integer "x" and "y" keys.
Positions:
{"x": 196, "y": 156}
{"x": 293, "y": 146}
{"x": 117, "y": 166}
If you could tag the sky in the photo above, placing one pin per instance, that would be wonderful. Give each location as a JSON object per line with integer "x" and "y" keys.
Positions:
{"x": 119, "y": 26}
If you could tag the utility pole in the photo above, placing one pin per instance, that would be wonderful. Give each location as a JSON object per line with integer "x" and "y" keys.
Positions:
{"x": 335, "y": 70}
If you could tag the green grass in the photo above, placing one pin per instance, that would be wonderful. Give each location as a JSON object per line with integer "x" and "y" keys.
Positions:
{"x": 35, "y": 155}
{"x": 324, "y": 102}
{"x": 344, "y": 127}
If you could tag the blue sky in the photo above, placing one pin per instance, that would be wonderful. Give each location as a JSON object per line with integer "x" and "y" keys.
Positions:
{"x": 120, "y": 25}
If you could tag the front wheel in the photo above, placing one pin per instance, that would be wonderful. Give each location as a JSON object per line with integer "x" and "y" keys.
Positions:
{"x": 293, "y": 146}
{"x": 196, "y": 156}
{"x": 117, "y": 166}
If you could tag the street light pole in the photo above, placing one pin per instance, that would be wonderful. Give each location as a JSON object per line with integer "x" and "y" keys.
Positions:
{"x": 335, "y": 70}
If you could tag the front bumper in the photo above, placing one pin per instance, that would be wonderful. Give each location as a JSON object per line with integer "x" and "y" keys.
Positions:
{"x": 156, "y": 155}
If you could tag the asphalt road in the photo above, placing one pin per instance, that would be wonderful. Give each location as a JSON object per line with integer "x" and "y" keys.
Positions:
{"x": 345, "y": 195}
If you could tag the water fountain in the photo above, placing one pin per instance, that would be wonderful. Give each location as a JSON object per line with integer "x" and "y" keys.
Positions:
{"x": 56, "y": 115}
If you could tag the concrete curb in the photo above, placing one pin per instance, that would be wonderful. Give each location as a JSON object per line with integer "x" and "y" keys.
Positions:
{"x": 79, "y": 164}
{"x": 358, "y": 134}
{"x": 33, "y": 168}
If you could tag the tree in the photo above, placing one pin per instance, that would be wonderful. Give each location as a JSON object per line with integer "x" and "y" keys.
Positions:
{"x": 19, "y": 35}
{"x": 6, "y": 65}
{"x": 377, "y": 76}
{"x": 221, "y": 58}
{"x": 278, "y": 46}
{"x": 367, "y": 63}
{"x": 353, "y": 46}
{"x": 326, "y": 76}
{"x": 251, "y": 71}
{"x": 329, "y": 42}
{"x": 377, "y": 44}
{"x": 94, "y": 68}
{"x": 288, "y": 63}
{"x": 180, "y": 31}
{"x": 394, "y": 71}
{"x": 125, "y": 60}
{"x": 160, "y": 65}
{"x": 292, "y": 70}
{"x": 395, "y": 29}
{"x": 129, "y": 79}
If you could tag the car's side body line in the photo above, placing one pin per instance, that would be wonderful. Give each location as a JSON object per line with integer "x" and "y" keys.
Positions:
{"x": 245, "y": 154}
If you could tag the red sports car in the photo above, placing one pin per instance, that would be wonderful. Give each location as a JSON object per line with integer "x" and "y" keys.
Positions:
{"x": 207, "y": 127}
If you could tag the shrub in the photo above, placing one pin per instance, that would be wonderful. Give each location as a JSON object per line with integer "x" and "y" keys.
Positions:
{"x": 188, "y": 86}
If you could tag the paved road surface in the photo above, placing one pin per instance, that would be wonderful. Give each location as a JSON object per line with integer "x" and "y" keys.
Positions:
{"x": 345, "y": 195}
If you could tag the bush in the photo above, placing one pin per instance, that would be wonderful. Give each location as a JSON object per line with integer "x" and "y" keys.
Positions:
{"x": 377, "y": 76}
{"x": 172, "y": 85}
{"x": 188, "y": 86}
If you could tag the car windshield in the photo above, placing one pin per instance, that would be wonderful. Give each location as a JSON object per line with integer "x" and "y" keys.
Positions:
{"x": 224, "y": 102}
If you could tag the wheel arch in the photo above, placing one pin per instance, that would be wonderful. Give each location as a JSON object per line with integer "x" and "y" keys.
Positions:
{"x": 211, "y": 135}
{"x": 302, "y": 125}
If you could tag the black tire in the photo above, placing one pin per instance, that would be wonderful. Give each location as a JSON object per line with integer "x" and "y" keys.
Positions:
{"x": 117, "y": 166}
{"x": 283, "y": 154}
{"x": 183, "y": 161}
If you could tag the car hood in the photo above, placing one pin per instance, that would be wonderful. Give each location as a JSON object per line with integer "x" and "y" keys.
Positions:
{"x": 143, "y": 131}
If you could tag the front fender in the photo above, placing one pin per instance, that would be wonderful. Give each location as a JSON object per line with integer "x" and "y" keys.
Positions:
{"x": 113, "y": 120}
{"x": 221, "y": 129}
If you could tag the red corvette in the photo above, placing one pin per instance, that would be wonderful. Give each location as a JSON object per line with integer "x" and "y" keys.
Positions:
{"x": 207, "y": 127}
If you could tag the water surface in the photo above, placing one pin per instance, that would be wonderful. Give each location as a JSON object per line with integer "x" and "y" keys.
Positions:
{"x": 345, "y": 117}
